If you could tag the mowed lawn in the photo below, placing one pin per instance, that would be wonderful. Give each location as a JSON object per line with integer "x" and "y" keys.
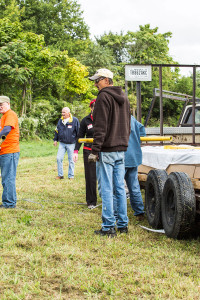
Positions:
{"x": 49, "y": 250}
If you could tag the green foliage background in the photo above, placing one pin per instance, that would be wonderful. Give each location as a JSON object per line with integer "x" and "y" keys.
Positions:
{"x": 46, "y": 56}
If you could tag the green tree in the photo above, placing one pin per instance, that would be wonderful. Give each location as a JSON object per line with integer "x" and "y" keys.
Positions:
{"x": 145, "y": 46}
{"x": 96, "y": 56}
{"x": 8, "y": 30}
{"x": 117, "y": 44}
{"x": 36, "y": 76}
{"x": 60, "y": 22}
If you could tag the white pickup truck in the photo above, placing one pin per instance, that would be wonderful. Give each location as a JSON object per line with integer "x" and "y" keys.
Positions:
{"x": 183, "y": 132}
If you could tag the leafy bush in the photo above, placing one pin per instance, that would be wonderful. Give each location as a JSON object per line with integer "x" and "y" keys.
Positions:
{"x": 28, "y": 127}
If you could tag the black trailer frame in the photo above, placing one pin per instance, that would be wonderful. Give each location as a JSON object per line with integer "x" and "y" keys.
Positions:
{"x": 160, "y": 66}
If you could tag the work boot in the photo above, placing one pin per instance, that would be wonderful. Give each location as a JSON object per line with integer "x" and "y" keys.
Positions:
{"x": 60, "y": 177}
{"x": 123, "y": 230}
{"x": 140, "y": 217}
{"x": 6, "y": 207}
{"x": 110, "y": 233}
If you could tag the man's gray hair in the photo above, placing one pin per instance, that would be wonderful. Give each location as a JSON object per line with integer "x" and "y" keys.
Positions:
{"x": 66, "y": 108}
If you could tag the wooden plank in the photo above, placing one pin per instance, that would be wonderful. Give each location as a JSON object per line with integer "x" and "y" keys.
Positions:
{"x": 188, "y": 169}
{"x": 142, "y": 177}
{"x": 192, "y": 171}
{"x": 144, "y": 169}
{"x": 196, "y": 183}
{"x": 197, "y": 172}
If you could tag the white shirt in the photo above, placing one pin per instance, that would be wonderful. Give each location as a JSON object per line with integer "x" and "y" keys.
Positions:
{"x": 65, "y": 121}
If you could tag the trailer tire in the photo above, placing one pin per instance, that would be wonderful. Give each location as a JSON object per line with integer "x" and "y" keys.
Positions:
{"x": 178, "y": 206}
{"x": 153, "y": 194}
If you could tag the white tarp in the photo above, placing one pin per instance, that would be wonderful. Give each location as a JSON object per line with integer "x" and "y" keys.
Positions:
{"x": 159, "y": 158}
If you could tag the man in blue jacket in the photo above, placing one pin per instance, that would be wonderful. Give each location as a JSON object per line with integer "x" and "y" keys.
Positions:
{"x": 66, "y": 133}
{"x": 133, "y": 158}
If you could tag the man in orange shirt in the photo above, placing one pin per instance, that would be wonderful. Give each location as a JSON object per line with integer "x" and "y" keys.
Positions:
{"x": 9, "y": 153}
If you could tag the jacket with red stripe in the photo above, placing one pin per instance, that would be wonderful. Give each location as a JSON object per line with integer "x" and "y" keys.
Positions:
{"x": 85, "y": 130}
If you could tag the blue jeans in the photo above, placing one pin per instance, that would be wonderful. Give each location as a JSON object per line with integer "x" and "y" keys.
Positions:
{"x": 131, "y": 177}
{"x": 60, "y": 156}
{"x": 8, "y": 165}
{"x": 98, "y": 178}
{"x": 112, "y": 171}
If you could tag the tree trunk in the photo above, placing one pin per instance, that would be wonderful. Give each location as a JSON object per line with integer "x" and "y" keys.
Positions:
{"x": 30, "y": 94}
{"x": 23, "y": 101}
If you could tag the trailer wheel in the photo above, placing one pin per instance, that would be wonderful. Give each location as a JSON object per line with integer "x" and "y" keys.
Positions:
{"x": 153, "y": 194}
{"x": 178, "y": 206}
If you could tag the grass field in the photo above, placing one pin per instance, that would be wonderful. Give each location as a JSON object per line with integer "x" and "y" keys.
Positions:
{"x": 49, "y": 250}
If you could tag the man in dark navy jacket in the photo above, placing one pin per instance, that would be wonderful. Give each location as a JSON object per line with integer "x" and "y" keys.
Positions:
{"x": 66, "y": 133}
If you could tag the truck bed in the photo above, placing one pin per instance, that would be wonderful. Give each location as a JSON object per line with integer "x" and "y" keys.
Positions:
{"x": 171, "y": 130}
{"x": 179, "y": 134}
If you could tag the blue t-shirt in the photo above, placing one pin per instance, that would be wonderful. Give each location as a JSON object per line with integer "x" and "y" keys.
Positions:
{"x": 133, "y": 155}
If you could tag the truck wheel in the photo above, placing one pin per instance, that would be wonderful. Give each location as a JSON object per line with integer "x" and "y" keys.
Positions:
{"x": 153, "y": 194}
{"x": 178, "y": 206}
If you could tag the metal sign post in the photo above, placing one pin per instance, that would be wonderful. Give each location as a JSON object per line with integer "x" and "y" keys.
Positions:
{"x": 161, "y": 100}
{"x": 138, "y": 73}
{"x": 193, "y": 105}
{"x": 139, "y": 100}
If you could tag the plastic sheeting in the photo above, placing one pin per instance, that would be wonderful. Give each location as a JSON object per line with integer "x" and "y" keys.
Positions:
{"x": 159, "y": 158}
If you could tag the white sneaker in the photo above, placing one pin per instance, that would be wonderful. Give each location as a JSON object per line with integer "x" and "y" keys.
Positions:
{"x": 91, "y": 206}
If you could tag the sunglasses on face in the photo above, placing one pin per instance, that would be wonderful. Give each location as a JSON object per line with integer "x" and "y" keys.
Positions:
{"x": 99, "y": 79}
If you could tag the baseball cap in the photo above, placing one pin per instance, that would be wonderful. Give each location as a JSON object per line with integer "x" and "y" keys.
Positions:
{"x": 102, "y": 73}
{"x": 4, "y": 99}
{"x": 94, "y": 100}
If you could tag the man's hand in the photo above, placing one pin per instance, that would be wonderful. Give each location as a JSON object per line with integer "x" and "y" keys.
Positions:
{"x": 75, "y": 157}
{"x": 92, "y": 158}
{"x": 55, "y": 143}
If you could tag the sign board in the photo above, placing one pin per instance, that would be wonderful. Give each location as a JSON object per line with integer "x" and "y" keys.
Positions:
{"x": 138, "y": 73}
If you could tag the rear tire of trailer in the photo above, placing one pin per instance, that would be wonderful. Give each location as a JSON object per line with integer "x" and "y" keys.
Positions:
{"x": 153, "y": 194}
{"x": 178, "y": 206}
